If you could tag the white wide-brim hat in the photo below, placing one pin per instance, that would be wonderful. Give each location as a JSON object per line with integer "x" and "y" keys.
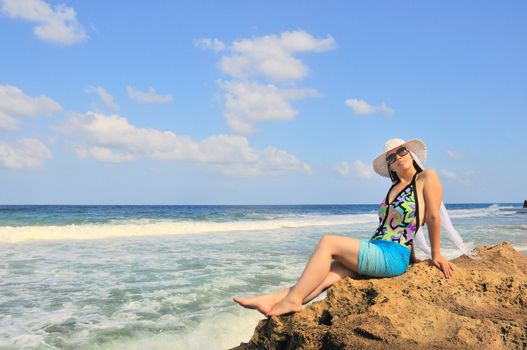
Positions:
{"x": 417, "y": 147}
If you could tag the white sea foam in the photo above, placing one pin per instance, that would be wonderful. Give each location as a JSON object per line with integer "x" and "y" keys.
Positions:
{"x": 491, "y": 210}
{"x": 447, "y": 252}
{"x": 521, "y": 248}
{"x": 219, "y": 331}
{"x": 149, "y": 227}
{"x": 9, "y": 234}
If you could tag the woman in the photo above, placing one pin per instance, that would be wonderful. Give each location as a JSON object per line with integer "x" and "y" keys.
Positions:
{"x": 413, "y": 199}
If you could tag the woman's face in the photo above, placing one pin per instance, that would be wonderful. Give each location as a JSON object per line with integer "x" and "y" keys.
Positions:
{"x": 401, "y": 162}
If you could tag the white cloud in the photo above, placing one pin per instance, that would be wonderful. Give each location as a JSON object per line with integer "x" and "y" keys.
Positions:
{"x": 343, "y": 169}
{"x": 362, "y": 170}
{"x": 57, "y": 25}
{"x": 466, "y": 178}
{"x": 113, "y": 139}
{"x": 210, "y": 44}
{"x": 26, "y": 153}
{"x": 7, "y": 122}
{"x": 14, "y": 103}
{"x": 247, "y": 103}
{"x": 455, "y": 155}
{"x": 105, "y": 96}
{"x": 103, "y": 154}
{"x": 149, "y": 97}
{"x": 362, "y": 107}
{"x": 13, "y": 100}
{"x": 384, "y": 109}
{"x": 271, "y": 56}
{"x": 449, "y": 174}
{"x": 357, "y": 169}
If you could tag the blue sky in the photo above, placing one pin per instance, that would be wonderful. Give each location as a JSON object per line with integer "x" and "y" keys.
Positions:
{"x": 257, "y": 102}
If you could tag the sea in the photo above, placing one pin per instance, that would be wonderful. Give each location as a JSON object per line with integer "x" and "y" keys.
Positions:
{"x": 163, "y": 277}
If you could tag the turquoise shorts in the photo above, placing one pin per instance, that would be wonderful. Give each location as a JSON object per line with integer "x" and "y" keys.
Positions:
{"x": 379, "y": 258}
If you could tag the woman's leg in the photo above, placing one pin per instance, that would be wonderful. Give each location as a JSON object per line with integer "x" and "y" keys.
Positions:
{"x": 337, "y": 272}
{"x": 343, "y": 249}
{"x": 265, "y": 302}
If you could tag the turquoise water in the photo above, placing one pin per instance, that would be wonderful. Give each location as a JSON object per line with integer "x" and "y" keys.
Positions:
{"x": 162, "y": 277}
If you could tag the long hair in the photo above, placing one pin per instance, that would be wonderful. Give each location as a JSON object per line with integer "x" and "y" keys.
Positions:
{"x": 395, "y": 178}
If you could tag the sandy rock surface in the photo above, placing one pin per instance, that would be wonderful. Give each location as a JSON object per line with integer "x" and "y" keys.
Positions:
{"x": 484, "y": 306}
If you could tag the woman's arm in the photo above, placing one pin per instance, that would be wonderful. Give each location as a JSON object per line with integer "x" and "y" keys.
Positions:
{"x": 433, "y": 196}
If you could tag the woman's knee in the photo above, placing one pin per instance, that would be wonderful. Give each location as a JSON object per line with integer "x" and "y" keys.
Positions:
{"x": 326, "y": 241}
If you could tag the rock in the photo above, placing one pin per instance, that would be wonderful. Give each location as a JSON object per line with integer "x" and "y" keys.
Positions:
{"x": 484, "y": 306}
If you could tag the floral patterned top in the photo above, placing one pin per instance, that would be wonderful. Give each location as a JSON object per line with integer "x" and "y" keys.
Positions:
{"x": 399, "y": 221}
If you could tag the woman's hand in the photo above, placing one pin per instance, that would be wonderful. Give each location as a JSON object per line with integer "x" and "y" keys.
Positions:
{"x": 444, "y": 265}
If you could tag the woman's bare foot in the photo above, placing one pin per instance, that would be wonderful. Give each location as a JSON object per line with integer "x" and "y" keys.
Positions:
{"x": 262, "y": 303}
{"x": 285, "y": 306}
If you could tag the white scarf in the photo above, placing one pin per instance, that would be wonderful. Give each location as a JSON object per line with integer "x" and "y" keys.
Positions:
{"x": 420, "y": 240}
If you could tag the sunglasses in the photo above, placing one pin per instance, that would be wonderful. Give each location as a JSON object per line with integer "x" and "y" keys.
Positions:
{"x": 401, "y": 152}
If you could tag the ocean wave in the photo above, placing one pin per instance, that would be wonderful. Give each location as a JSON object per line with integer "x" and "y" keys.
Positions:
{"x": 491, "y": 210}
{"x": 215, "y": 331}
{"x": 148, "y": 227}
